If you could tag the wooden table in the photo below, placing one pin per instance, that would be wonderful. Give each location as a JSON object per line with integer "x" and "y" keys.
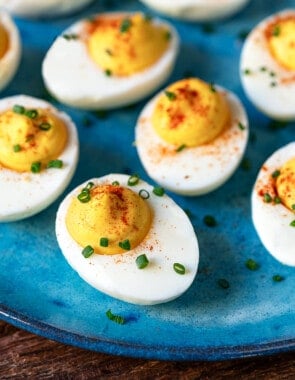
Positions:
{"x": 25, "y": 355}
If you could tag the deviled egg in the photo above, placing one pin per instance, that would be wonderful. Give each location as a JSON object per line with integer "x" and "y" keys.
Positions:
{"x": 192, "y": 136}
{"x": 273, "y": 204}
{"x": 38, "y": 155}
{"x": 267, "y": 66}
{"x": 10, "y": 49}
{"x": 128, "y": 239}
{"x": 110, "y": 60}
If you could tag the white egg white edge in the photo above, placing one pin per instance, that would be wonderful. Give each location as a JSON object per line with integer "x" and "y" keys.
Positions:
{"x": 197, "y": 170}
{"x": 272, "y": 222}
{"x": 25, "y": 194}
{"x": 9, "y": 63}
{"x": 173, "y": 240}
{"x": 42, "y": 8}
{"x": 73, "y": 78}
{"x": 278, "y": 101}
{"x": 197, "y": 10}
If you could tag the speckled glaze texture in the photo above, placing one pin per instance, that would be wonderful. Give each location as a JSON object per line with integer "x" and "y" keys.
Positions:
{"x": 253, "y": 316}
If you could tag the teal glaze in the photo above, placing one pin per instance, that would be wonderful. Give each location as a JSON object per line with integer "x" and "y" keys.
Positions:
{"x": 41, "y": 293}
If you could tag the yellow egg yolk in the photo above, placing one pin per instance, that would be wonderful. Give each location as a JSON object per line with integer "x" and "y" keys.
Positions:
{"x": 30, "y": 136}
{"x": 190, "y": 112}
{"x": 3, "y": 41}
{"x": 285, "y": 184}
{"x": 126, "y": 45}
{"x": 281, "y": 39}
{"x": 114, "y": 214}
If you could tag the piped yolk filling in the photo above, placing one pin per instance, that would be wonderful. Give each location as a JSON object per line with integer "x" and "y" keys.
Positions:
{"x": 29, "y": 136}
{"x": 280, "y": 35}
{"x": 285, "y": 184}
{"x": 4, "y": 41}
{"x": 114, "y": 214}
{"x": 126, "y": 45}
{"x": 190, "y": 112}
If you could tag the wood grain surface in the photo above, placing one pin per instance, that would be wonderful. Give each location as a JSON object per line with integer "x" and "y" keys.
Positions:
{"x": 25, "y": 355}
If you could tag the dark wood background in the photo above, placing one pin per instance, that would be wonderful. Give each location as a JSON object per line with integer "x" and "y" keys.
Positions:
{"x": 25, "y": 355}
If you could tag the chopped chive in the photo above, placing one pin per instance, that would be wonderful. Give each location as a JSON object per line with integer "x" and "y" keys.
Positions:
{"x": 273, "y": 84}
{"x": 263, "y": 68}
{"x": 89, "y": 186}
{"x": 247, "y": 71}
{"x": 104, "y": 242}
{"x": 116, "y": 183}
{"x": 84, "y": 196}
{"x": 223, "y": 283}
{"x": 55, "y": 164}
{"x": 167, "y": 35}
{"x": 18, "y": 109}
{"x": 142, "y": 261}
{"x": 277, "y": 278}
{"x": 44, "y": 126}
{"x": 17, "y": 148}
{"x": 180, "y": 148}
{"x": 109, "y": 52}
{"x": 125, "y": 244}
{"x": 125, "y": 25}
{"x": 115, "y": 318}
{"x": 241, "y": 126}
{"x": 36, "y": 167}
{"x": 133, "y": 180}
{"x": 108, "y": 72}
{"x": 293, "y": 207}
{"x": 251, "y": 264}
{"x": 276, "y": 31}
{"x": 210, "y": 221}
{"x": 170, "y": 95}
{"x": 275, "y": 174}
{"x": 159, "y": 191}
{"x": 272, "y": 74}
{"x": 144, "y": 194}
{"x": 32, "y": 114}
{"x": 267, "y": 198}
{"x": 179, "y": 268}
{"x": 70, "y": 36}
{"x": 87, "y": 251}
{"x": 212, "y": 87}
{"x": 292, "y": 224}
{"x": 277, "y": 200}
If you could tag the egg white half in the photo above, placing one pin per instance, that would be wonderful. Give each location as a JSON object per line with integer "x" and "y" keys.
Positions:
{"x": 171, "y": 239}
{"x": 73, "y": 78}
{"x": 269, "y": 85}
{"x": 44, "y": 8}
{"x": 10, "y": 61}
{"x": 196, "y": 170}
{"x": 25, "y": 194}
{"x": 196, "y": 10}
{"x": 272, "y": 221}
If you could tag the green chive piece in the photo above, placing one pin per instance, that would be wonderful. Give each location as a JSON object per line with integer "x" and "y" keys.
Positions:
{"x": 87, "y": 251}
{"x": 44, "y": 126}
{"x": 277, "y": 200}
{"x": 179, "y": 268}
{"x": 212, "y": 87}
{"x": 159, "y": 191}
{"x": 223, "y": 283}
{"x": 144, "y": 194}
{"x": 180, "y": 148}
{"x": 167, "y": 35}
{"x": 252, "y": 264}
{"x": 292, "y": 224}
{"x": 275, "y": 174}
{"x": 277, "y": 278}
{"x": 104, "y": 242}
{"x": 170, "y": 95}
{"x": 89, "y": 186}
{"x": 70, "y": 36}
{"x": 125, "y": 244}
{"x": 18, "y": 109}
{"x": 247, "y": 71}
{"x": 115, "y": 318}
{"x": 116, "y": 183}
{"x": 31, "y": 114}
{"x": 273, "y": 84}
{"x": 272, "y": 74}
{"x": 293, "y": 207}
{"x": 142, "y": 261}
{"x": 241, "y": 126}
{"x": 36, "y": 167}
{"x": 16, "y": 148}
{"x": 276, "y": 31}
{"x": 108, "y": 72}
{"x": 133, "y": 180}
{"x": 267, "y": 198}
{"x": 57, "y": 164}
{"x": 125, "y": 25}
{"x": 109, "y": 52}
{"x": 210, "y": 221}
{"x": 84, "y": 196}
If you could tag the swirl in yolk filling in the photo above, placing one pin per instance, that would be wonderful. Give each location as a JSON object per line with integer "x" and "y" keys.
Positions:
{"x": 3, "y": 41}
{"x": 285, "y": 184}
{"x": 30, "y": 136}
{"x": 190, "y": 112}
{"x": 113, "y": 213}
{"x": 280, "y": 35}
{"x": 125, "y": 46}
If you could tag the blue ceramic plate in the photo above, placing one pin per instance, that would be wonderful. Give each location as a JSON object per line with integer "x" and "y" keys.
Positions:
{"x": 254, "y": 316}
